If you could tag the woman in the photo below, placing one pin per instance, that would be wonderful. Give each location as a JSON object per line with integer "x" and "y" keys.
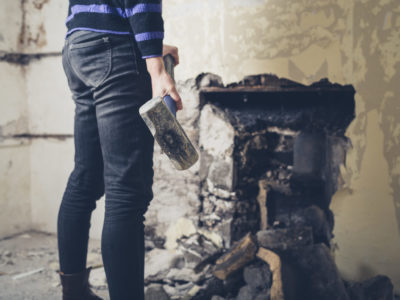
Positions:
{"x": 113, "y": 62}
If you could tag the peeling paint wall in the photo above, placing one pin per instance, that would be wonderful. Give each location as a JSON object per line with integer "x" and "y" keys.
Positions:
{"x": 348, "y": 41}
{"x": 355, "y": 42}
{"x": 15, "y": 206}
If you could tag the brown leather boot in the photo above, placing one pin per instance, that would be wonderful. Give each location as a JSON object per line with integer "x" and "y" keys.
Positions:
{"x": 76, "y": 286}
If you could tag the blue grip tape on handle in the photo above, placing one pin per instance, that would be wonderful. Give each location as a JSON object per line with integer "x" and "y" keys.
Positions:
{"x": 170, "y": 104}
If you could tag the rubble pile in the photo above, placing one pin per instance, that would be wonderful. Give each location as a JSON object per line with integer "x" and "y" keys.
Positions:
{"x": 270, "y": 157}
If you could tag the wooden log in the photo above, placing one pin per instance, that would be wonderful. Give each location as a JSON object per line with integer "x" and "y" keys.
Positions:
{"x": 275, "y": 265}
{"x": 262, "y": 203}
{"x": 237, "y": 257}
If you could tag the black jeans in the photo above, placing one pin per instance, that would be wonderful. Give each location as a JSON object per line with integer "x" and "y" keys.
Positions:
{"x": 113, "y": 155}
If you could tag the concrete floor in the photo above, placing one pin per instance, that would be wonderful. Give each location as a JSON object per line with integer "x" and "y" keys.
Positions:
{"x": 36, "y": 253}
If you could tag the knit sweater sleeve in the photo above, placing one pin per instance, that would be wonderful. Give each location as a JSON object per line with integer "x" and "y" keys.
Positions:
{"x": 147, "y": 25}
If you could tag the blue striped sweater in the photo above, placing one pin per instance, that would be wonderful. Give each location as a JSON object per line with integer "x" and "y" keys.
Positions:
{"x": 141, "y": 18}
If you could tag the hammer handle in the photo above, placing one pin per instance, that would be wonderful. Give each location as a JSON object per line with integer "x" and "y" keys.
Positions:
{"x": 169, "y": 63}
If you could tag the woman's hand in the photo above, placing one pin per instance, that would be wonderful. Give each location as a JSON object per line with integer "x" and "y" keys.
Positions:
{"x": 168, "y": 49}
{"x": 162, "y": 84}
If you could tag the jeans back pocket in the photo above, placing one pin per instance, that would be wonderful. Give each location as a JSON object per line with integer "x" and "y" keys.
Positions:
{"x": 91, "y": 59}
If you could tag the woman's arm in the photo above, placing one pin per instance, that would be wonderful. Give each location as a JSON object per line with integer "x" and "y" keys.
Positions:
{"x": 162, "y": 84}
{"x": 148, "y": 26}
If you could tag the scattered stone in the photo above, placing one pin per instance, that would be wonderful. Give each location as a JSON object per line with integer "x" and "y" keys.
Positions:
{"x": 98, "y": 278}
{"x": 238, "y": 256}
{"x": 317, "y": 271}
{"x": 7, "y": 253}
{"x": 257, "y": 276}
{"x": 158, "y": 262}
{"x": 246, "y": 293}
{"x": 284, "y": 239}
{"x": 212, "y": 286}
{"x": 54, "y": 265}
{"x": 233, "y": 283}
{"x": 275, "y": 265}
{"x": 156, "y": 292}
{"x": 315, "y": 218}
{"x": 182, "y": 227}
{"x": 198, "y": 251}
{"x": 94, "y": 258}
{"x": 376, "y": 288}
{"x": 263, "y": 295}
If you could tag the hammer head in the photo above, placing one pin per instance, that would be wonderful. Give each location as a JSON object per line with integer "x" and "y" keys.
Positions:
{"x": 168, "y": 132}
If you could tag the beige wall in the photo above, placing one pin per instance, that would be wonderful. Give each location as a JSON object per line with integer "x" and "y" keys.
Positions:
{"x": 355, "y": 42}
{"x": 348, "y": 41}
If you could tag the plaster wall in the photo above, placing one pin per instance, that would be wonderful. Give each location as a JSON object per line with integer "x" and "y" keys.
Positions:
{"x": 354, "y": 42}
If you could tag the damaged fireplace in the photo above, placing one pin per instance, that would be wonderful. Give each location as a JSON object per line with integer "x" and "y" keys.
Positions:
{"x": 270, "y": 156}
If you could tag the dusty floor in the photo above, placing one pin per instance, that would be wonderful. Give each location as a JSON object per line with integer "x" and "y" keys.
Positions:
{"x": 28, "y": 265}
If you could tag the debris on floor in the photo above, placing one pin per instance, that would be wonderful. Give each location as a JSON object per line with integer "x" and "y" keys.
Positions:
{"x": 29, "y": 265}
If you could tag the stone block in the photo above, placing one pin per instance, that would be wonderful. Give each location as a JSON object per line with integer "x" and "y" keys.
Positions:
{"x": 13, "y": 104}
{"x": 237, "y": 257}
{"x": 51, "y": 108}
{"x": 216, "y": 144}
{"x": 285, "y": 238}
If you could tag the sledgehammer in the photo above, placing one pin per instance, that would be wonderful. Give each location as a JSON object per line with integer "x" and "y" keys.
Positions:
{"x": 159, "y": 114}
